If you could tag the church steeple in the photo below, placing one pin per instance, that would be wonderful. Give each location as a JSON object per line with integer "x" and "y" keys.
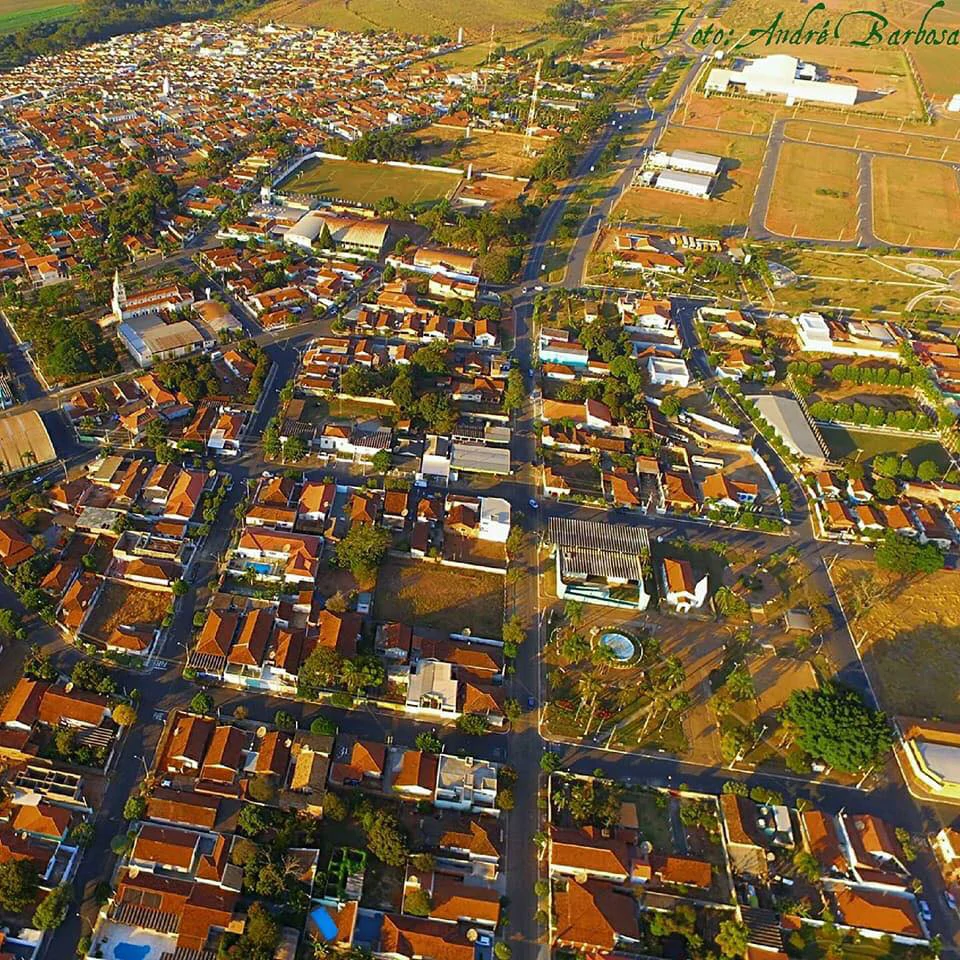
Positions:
{"x": 119, "y": 296}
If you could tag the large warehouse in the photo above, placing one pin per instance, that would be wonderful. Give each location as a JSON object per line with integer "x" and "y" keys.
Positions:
{"x": 689, "y": 161}
{"x": 784, "y": 76}
{"x": 692, "y": 184}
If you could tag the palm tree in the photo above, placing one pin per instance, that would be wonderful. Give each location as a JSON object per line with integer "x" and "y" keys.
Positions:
{"x": 741, "y": 684}
{"x": 678, "y": 703}
{"x": 672, "y": 675}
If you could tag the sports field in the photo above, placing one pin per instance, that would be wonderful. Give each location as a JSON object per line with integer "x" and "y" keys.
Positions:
{"x": 732, "y": 200}
{"x": 369, "y": 183}
{"x": 17, "y": 14}
{"x": 411, "y": 16}
{"x": 814, "y": 193}
{"x": 915, "y": 202}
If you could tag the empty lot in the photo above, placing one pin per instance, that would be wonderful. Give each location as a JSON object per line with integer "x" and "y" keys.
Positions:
{"x": 915, "y": 202}
{"x": 814, "y": 193}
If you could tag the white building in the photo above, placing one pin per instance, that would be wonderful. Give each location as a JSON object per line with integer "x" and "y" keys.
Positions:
{"x": 681, "y": 590}
{"x": 668, "y": 372}
{"x": 780, "y": 75}
{"x": 690, "y": 184}
{"x": 494, "y": 519}
{"x": 432, "y": 689}
{"x": 689, "y": 161}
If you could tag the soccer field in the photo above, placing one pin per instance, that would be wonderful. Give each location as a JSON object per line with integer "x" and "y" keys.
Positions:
{"x": 369, "y": 183}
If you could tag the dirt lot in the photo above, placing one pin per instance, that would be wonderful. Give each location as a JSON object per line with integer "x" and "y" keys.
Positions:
{"x": 910, "y": 634}
{"x": 776, "y": 678}
{"x": 905, "y": 192}
{"x": 489, "y": 152}
{"x": 444, "y": 598}
{"x": 823, "y": 206}
{"x": 879, "y": 141}
{"x": 121, "y": 604}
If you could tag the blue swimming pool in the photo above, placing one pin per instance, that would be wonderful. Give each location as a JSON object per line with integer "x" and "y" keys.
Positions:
{"x": 131, "y": 951}
{"x": 262, "y": 568}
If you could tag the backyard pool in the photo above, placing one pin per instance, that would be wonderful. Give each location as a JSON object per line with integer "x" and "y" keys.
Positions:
{"x": 621, "y": 645}
{"x": 262, "y": 568}
{"x": 131, "y": 951}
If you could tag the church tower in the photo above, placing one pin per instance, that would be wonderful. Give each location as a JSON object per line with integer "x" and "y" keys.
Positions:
{"x": 119, "y": 296}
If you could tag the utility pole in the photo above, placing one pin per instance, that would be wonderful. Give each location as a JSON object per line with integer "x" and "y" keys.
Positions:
{"x": 532, "y": 113}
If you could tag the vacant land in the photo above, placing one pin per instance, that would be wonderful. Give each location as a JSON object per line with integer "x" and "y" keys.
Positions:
{"x": 915, "y": 202}
{"x": 902, "y": 143}
{"x": 489, "y": 151}
{"x": 733, "y": 196}
{"x": 814, "y": 193}
{"x": 428, "y": 595}
{"x": 122, "y": 605}
{"x": 369, "y": 183}
{"x": 910, "y": 634}
{"x": 847, "y": 443}
{"x": 18, "y": 14}
{"x": 410, "y": 16}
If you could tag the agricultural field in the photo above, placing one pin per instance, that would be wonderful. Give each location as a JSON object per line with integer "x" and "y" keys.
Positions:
{"x": 410, "y": 16}
{"x": 18, "y": 14}
{"x": 731, "y": 203}
{"x": 910, "y": 635}
{"x": 442, "y": 598}
{"x": 915, "y": 202}
{"x": 489, "y": 152}
{"x": 822, "y": 206}
{"x": 369, "y": 183}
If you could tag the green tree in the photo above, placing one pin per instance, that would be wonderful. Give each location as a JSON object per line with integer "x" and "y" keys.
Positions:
{"x": 135, "y": 807}
{"x": 515, "y": 395}
{"x": 381, "y": 461}
{"x": 732, "y": 938}
{"x": 362, "y": 550}
{"x": 252, "y": 820}
{"x": 124, "y": 714}
{"x": 202, "y": 702}
{"x": 417, "y": 903}
{"x": 670, "y": 406}
{"x": 320, "y": 671}
{"x": 386, "y": 840}
{"x": 92, "y": 675}
{"x": 19, "y": 883}
{"x": 334, "y": 807}
{"x": 11, "y": 625}
{"x": 324, "y": 726}
{"x": 502, "y": 950}
{"x": 52, "y": 909}
{"x": 283, "y": 720}
{"x": 833, "y": 724}
{"x": 428, "y": 742}
{"x": 902, "y": 555}
{"x": 180, "y": 588}
{"x": 472, "y": 724}
{"x": 294, "y": 449}
{"x": 361, "y": 673}
{"x": 927, "y": 471}
{"x": 550, "y": 761}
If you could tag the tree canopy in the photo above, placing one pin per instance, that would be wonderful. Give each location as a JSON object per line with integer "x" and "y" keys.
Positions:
{"x": 362, "y": 550}
{"x": 833, "y": 724}
{"x": 902, "y": 555}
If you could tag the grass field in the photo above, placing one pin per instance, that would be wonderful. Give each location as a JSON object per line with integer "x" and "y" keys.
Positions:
{"x": 443, "y": 598}
{"x": 368, "y": 183}
{"x": 17, "y": 14}
{"x": 911, "y": 637}
{"x": 411, "y": 16}
{"x": 904, "y": 143}
{"x": 915, "y": 202}
{"x": 489, "y": 152}
{"x": 823, "y": 205}
{"x": 730, "y": 204}
{"x": 845, "y": 443}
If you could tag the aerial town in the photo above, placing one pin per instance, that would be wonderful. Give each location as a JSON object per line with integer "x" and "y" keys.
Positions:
{"x": 477, "y": 484}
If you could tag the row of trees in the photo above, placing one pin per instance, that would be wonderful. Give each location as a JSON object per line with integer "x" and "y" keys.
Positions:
{"x": 871, "y": 415}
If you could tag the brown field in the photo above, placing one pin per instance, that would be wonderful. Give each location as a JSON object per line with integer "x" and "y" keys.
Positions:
{"x": 877, "y": 141}
{"x": 409, "y": 16}
{"x": 910, "y": 630}
{"x": 493, "y": 152}
{"x": 121, "y": 604}
{"x": 729, "y": 206}
{"x": 915, "y": 202}
{"x": 444, "y": 598}
{"x": 798, "y": 207}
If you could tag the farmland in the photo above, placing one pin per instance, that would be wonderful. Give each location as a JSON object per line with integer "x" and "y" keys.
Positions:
{"x": 907, "y": 193}
{"x": 824, "y": 206}
{"x": 409, "y": 16}
{"x": 369, "y": 183}
{"x": 18, "y": 14}
{"x": 734, "y": 194}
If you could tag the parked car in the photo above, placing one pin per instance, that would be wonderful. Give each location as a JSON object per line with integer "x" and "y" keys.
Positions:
{"x": 925, "y": 912}
{"x": 533, "y": 504}
{"x": 950, "y": 900}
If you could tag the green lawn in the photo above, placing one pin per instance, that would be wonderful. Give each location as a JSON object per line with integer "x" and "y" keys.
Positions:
{"x": 18, "y": 14}
{"x": 369, "y": 183}
{"x": 845, "y": 443}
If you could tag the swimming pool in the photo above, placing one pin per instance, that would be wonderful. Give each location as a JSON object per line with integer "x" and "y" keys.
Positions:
{"x": 131, "y": 951}
{"x": 262, "y": 568}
